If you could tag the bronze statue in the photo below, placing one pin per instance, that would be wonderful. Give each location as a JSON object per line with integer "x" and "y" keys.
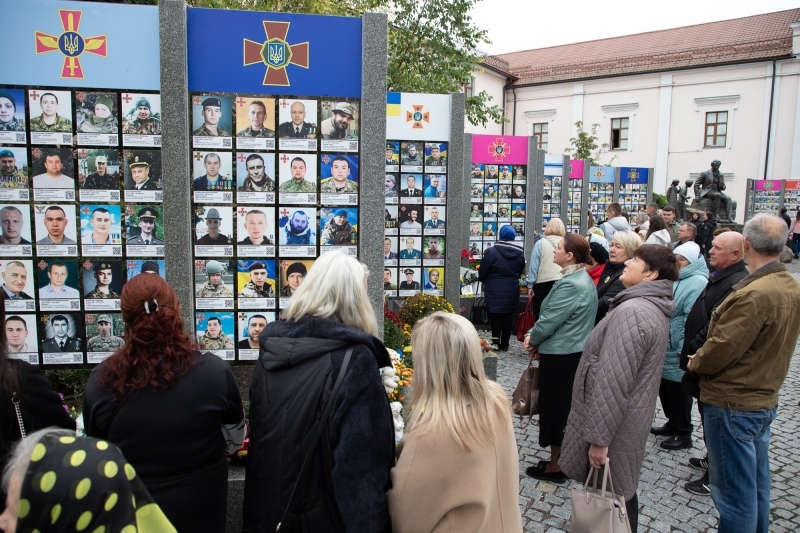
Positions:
{"x": 710, "y": 185}
{"x": 672, "y": 194}
{"x": 683, "y": 197}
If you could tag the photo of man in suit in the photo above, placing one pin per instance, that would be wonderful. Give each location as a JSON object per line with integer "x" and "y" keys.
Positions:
{"x": 298, "y": 128}
{"x": 60, "y": 341}
{"x": 411, "y": 187}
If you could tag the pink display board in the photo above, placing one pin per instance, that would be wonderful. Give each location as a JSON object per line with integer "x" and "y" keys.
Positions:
{"x": 768, "y": 185}
{"x": 576, "y": 168}
{"x": 500, "y": 149}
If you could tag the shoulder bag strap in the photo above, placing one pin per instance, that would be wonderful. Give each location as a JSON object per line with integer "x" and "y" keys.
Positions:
{"x": 15, "y": 401}
{"x": 318, "y": 433}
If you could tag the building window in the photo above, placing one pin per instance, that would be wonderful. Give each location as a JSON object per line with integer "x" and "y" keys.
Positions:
{"x": 716, "y": 128}
{"x": 540, "y": 134}
{"x": 619, "y": 133}
{"x": 469, "y": 87}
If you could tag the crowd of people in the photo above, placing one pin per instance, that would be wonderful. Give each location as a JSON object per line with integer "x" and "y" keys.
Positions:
{"x": 620, "y": 323}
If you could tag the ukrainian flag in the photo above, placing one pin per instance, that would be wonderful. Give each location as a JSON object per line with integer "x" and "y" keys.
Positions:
{"x": 392, "y": 104}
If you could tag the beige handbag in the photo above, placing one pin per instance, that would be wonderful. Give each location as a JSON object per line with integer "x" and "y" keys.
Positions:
{"x": 600, "y": 511}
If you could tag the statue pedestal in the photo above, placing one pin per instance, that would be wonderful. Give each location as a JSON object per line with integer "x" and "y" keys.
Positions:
{"x": 701, "y": 205}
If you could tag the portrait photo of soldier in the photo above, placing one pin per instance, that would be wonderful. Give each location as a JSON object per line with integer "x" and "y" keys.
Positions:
{"x": 143, "y": 171}
{"x": 411, "y": 218}
{"x": 475, "y": 230}
{"x": 134, "y": 267}
{"x": 434, "y": 217}
{"x": 98, "y": 169}
{"x": 504, "y": 192}
{"x": 519, "y": 227}
{"x": 339, "y": 174}
{"x": 12, "y": 110}
{"x": 17, "y": 280}
{"x": 505, "y": 173}
{"x": 215, "y": 331}
{"x": 102, "y": 280}
{"x": 474, "y": 248}
{"x": 410, "y": 154}
{"x": 53, "y": 168}
{"x": 435, "y": 154}
{"x": 55, "y": 224}
{"x": 144, "y": 225}
{"x": 20, "y": 331}
{"x": 214, "y": 226}
{"x": 255, "y": 279}
{"x": 339, "y": 120}
{"x": 392, "y": 154}
{"x": 477, "y": 191}
{"x": 389, "y": 248}
{"x": 256, "y": 224}
{"x": 435, "y": 186}
{"x": 491, "y": 173}
{"x": 503, "y": 211}
{"x": 433, "y": 248}
{"x": 255, "y": 117}
{"x": 489, "y": 211}
{"x": 212, "y": 171}
{"x": 477, "y": 171}
{"x": 411, "y": 280}
{"x": 519, "y": 173}
{"x": 254, "y": 172}
{"x": 44, "y": 110}
{"x": 298, "y": 119}
{"x": 489, "y": 229}
{"x": 211, "y": 116}
{"x": 390, "y": 217}
{"x": 339, "y": 226}
{"x": 413, "y": 248}
{"x": 15, "y": 225}
{"x": 61, "y": 333}
{"x": 390, "y": 279}
{"x": 13, "y": 168}
{"x": 519, "y": 211}
{"x": 292, "y": 275}
{"x": 213, "y": 279}
{"x": 250, "y": 327}
{"x": 101, "y": 224}
{"x": 490, "y": 192}
{"x": 409, "y": 185}
{"x": 476, "y": 211}
{"x": 297, "y": 226}
{"x": 434, "y": 279}
{"x": 96, "y": 112}
{"x": 518, "y": 194}
{"x": 298, "y": 173}
{"x": 144, "y": 115}
{"x": 58, "y": 280}
{"x": 104, "y": 332}
{"x": 390, "y": 186}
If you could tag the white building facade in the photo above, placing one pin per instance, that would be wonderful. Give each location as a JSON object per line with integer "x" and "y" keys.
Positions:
{"x": 731, "y": 106}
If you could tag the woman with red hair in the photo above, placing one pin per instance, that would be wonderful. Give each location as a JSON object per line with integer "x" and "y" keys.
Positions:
{"x": 173, "y": 412}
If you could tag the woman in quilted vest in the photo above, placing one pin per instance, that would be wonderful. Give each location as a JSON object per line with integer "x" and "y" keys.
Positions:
{"x": 557, "y": 340}
{"x": 616, "y": 385}
{"x": 542, "y": 271}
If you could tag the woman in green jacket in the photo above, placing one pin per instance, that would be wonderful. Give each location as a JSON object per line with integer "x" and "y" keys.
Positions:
{"x": 566, "y": 319}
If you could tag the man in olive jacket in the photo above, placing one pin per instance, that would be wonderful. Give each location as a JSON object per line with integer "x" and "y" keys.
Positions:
{"x": 742, "y": 366}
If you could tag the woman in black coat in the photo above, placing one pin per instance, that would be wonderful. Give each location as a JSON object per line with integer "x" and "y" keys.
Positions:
{"x": 500, "y": 270}
{"x": 40, "y": 405}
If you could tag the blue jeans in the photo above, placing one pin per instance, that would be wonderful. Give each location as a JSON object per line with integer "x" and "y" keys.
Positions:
{"x": 796, "y": 243}
{"x": 738, "y": 464}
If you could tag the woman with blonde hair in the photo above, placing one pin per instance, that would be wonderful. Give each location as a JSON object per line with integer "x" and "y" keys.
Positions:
{"x": 319, "y": 370}
{"x": 623, "y": 244}
{"x": 542, "y": 272}
{"x": 458, "y": 435}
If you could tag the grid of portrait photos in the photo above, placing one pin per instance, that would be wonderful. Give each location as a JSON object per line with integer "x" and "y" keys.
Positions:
{"x": 416, "y": 218}
{"x": 80, "y": 214}
{"x": 574, "y": 204}
{"x": 498, "y": 195}
{"x": 275, "y": 183}
{"x": 633, "y": 191}
{"x": 767, "y": 197}
{"x": 601, "y": 190}
{"x": 791, "y": 197}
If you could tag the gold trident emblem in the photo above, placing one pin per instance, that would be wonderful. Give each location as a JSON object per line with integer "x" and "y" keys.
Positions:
{"x": 276, "y": 54}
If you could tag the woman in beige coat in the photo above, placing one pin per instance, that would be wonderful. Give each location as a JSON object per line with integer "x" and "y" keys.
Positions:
{"x": 458, "y": 468}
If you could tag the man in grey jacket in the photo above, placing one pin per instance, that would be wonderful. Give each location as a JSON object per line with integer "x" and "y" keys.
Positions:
{"x": 615, "y": 221}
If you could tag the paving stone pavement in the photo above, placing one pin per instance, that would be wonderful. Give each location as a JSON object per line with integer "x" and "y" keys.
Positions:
{"x": 664, "y": 505}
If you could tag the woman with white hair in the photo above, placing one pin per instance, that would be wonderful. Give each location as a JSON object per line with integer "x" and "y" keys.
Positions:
{"x": 458, "y": 435}
{"x": 318, "y": 377}
{"x": 623, "y": 244}
{"x": 542, "y": 271}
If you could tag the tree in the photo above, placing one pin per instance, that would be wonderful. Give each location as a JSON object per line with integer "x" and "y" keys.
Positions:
{"x": 585, "y": 146}
{"x": 433, "y": 44}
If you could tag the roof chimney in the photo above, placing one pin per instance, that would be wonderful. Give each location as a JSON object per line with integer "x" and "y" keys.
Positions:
{"x": 795, "y": 38}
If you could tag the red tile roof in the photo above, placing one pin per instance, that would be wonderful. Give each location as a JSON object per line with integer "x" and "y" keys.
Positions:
{"x": 758, "y": 37}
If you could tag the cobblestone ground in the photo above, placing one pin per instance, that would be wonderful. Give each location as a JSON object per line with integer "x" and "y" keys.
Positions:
{"x": 664, "y": 505}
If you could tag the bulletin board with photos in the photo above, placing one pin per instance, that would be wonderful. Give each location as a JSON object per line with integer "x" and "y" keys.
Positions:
{"x": 768, "y": 196}
{"x": 575, "y": 203}
{"x": 416, "y": 214}
{"x": 275, "y": 183}
{"x": 601, "y": 190}
{"x": 80, "y": 214}
{"x": 552, "y": 188}
{"x": 791, "y": 196}
{"x": 634, "y": 190}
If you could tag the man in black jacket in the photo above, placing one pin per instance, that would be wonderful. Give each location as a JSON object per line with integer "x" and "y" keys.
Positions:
{"x": 727, "y": 261}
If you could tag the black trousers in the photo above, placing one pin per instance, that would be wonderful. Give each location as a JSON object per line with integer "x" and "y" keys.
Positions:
{"x": 501, "y": 328}
{"x": 677, "y": 405}
{"x": 632, "y": 508}
{"x": 556, "y": 374}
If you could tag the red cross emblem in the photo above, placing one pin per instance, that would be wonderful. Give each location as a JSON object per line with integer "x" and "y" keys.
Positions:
{"x": 34, "y": 95}
{"x": 197, "y": 100}
{"x": 633, "y": 175}
{"x": 199, "y": 265}
{"x": 326, "y": 159}
{"x": 284, "y": 158}
{"x": 241, "y": 211}
{"x": 42, "y": 264}
{"x": 241, "y": 158}
{"x": 200, "y": 318}
{"x": 418, "y": 116}
{"x": 198, "y": 156}
{"x": 284, "y": 264}
{"x": 276, "y": 53}
{"x": 36, "y": 153}
{"x": 241, "y": 102}
{"x": 87, "y": 265}
{"x": 131, "y": 265}
{"x": 85, "y": 210}
{"x": 284, "y": 104}
{"x": 70, "y": 43}
{"x": 499, "y": 149}
{"x": 284, "y": 212}
{"x": 90, "y": 319}
{"x": 126, "y": 98}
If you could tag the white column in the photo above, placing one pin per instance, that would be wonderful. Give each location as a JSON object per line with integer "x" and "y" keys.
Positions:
{"x": 577, "y": 107}
{"x": 662, "y": 141}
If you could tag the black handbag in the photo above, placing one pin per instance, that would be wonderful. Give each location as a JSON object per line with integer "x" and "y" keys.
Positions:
{"x": 479, "y": 316}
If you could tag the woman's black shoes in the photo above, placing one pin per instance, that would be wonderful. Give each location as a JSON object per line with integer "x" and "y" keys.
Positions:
{"x": 537, "y": 472}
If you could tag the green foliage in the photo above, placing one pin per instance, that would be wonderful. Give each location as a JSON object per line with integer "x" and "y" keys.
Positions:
{"x": 419, "y": 306}
{"x": 70, "y": 383}
{"x": 392, "y": 335}
{"x": 585, "y": 146}
{"x": 660, "y": 200}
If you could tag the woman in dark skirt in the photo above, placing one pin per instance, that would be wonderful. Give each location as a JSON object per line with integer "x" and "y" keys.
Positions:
{"x": 567, "y": 318}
